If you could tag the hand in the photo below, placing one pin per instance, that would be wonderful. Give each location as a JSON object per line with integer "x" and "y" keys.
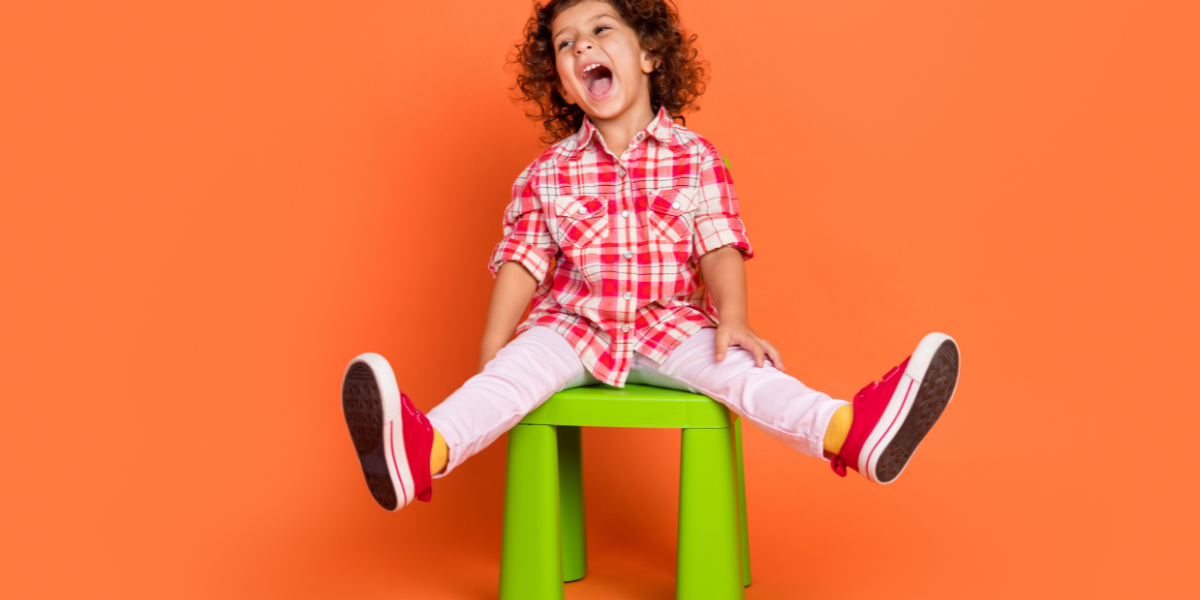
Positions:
{"x": 739, "y": 334}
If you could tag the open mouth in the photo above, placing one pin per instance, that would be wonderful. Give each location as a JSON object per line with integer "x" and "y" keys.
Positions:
{"x": 597, "y": 79}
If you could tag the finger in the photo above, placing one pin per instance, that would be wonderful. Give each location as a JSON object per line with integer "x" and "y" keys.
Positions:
{"x": 759, "y": 355}
{"x": 722, "y": 346}
{"x": 776, "y": 358}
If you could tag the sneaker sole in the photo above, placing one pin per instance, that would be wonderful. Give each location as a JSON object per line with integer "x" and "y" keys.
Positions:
{"x": 371, "y": 403}
{"x": 923, "y": 394}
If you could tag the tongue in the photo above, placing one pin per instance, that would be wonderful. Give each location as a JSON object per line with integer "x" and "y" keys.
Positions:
{"x": 600, "y": 84}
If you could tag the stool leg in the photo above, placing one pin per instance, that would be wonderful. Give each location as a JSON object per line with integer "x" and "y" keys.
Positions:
{"x": 530, "y": 547}
{"x": 741, "y": 481}
{"x": 709, "y": 563}
{"x": 570, "y": 499}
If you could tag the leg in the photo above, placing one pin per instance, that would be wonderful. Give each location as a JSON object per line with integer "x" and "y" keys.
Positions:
{"x": 523, "y": 375}
{"x": 709, "y": 563}
{"x": 570, "y": 494}
{"x": 773, "y": 401}
{"x": 531, "y": 552}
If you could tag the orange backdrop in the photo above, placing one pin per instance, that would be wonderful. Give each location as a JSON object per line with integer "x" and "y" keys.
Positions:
{"x": 209, "y": 207}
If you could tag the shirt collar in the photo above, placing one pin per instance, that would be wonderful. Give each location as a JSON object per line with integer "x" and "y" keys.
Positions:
{"x": 662, "y": 128}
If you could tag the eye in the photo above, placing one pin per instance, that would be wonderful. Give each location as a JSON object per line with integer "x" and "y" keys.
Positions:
{"x": 601, "y": 28}
{"x": 564, "y": 44}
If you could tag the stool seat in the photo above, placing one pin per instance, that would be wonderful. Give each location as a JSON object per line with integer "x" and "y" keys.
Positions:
{"x": 631, "y": 406}
{"x": 544, "y": 541}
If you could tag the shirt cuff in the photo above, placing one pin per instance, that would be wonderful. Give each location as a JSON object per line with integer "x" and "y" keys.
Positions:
{"x": 536, "y": 260}
{"x": 712, "y": 234}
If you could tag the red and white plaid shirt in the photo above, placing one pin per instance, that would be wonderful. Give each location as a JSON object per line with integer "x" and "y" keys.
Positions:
{"x": 616, "y": 243}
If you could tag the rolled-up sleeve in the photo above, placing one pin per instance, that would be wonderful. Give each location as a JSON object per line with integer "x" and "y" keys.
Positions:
{"x": 717, "y": 221}
{"x": 526, "y": 239}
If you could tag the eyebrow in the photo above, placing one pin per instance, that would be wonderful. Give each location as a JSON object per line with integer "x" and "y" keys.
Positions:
{"x": 560, "y": 31}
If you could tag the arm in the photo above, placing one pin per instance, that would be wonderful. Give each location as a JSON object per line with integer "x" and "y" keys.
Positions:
{"x": 519, "y": 262}
{"x": 510, "y": 295}
{"x": 725, "y": 275}
{"x": 721, "y": 244}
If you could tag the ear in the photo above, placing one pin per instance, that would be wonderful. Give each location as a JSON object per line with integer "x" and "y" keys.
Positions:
{"x": 649, "y": 62}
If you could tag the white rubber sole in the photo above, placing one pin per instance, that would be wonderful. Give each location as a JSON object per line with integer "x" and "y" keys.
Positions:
{"x": 901, "y": 405}
{"x": 382, "y": 441}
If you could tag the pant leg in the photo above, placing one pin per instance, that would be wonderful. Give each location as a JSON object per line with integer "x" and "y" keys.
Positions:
{"x": 775, "y": 402}
{"x": 583, "y": 379}
{"x": 523, "y": 375}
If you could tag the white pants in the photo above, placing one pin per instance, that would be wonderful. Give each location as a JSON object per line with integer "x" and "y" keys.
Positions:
{"x": 540, "y": 363}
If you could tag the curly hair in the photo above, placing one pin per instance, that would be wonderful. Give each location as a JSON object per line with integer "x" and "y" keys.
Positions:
{"x": 677, "y": 81}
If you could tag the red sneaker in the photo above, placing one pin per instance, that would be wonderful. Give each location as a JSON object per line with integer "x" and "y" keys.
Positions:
{"x": 393, "y": 438}
{"x": 891, "y": 417}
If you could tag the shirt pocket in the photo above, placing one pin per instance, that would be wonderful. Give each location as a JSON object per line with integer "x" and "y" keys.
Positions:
{"x": 581, "y": 220}
{"x": 672, "y": 214}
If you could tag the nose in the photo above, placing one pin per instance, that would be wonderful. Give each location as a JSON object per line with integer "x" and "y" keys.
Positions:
{"x": 582, "y": 45}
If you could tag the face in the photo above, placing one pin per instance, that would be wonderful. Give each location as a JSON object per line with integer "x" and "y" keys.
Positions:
{"x": 601, "y": 65}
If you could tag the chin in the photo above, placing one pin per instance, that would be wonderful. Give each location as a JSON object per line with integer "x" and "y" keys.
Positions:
{"x": 608, "y": 107}
{"x": 609, "y": 111}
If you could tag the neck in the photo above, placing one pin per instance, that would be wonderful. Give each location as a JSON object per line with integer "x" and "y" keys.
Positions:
{"x": 619, "y": 130}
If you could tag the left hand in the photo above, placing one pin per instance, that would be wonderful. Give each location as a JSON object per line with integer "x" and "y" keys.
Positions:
{"x": 740, "y": 334}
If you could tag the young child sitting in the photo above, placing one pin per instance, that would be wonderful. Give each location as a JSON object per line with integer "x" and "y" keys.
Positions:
{"x": 626, "y": 236}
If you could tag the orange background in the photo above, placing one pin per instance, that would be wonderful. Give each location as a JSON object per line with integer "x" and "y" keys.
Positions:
{"x": 209, "y": 207}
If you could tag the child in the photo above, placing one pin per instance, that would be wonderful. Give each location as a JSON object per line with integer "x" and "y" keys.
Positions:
{"x": 625, "y": 234}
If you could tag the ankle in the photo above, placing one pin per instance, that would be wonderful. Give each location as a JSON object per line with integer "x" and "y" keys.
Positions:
{"x": 839, "y": 428}
{"x": 440, "y": 456}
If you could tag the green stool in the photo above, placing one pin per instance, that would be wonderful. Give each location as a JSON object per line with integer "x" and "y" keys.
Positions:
{"x": 545, "y": 539}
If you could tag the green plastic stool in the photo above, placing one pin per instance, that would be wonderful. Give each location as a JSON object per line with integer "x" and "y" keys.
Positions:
{"x": 545, "y": 538}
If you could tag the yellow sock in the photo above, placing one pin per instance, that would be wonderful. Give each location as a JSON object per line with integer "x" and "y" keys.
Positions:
{"x": 440, "y": 457}
{"x": 839, "y": 428}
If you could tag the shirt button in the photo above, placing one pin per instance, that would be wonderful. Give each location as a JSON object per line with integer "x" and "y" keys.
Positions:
{"x": 628, "y": 255}
{"x": 628, "y": 295}
{"x": 674, "y": 205}
{"x": 627, "y": 328}
{"x": 582, "y": 210}
{"x": 625, "y": 213}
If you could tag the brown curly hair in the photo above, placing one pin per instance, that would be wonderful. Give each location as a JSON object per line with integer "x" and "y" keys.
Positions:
{"x": 677, "y": 80}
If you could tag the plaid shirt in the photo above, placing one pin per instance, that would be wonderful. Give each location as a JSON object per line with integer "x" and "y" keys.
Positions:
{"x": 615, "y": 244}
